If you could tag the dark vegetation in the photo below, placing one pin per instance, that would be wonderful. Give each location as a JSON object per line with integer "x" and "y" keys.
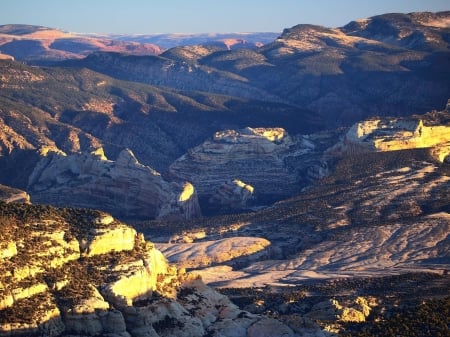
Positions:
{"x": 412, "y": 304}
{"x": 429, "y": 318}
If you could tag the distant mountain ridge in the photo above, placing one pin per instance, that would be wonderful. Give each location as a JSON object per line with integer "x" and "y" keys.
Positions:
{"x": 229, "y": 40}
{"x": 41, "y": 44}
{"x": 392, "y": 64}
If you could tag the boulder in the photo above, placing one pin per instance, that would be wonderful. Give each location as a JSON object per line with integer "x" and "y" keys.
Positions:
{"x": 233, "y": 194}
{"x": 9, "y": 194}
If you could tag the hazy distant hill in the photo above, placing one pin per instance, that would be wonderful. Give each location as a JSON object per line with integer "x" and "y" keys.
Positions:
{"x": 228, "y": 40}
{"x": 39, "y": 44}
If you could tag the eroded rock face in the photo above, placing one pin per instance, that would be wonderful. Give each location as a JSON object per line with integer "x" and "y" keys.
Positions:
{"x": 233, "y": 194}
{"x": 235, "y": 165}
{"x": 126, "y": 290}
{"x": 9, "y": 194}
{"x": 123, "y": 187}
{"x": 206, "y": 253}
{"x": 391, "y": 134}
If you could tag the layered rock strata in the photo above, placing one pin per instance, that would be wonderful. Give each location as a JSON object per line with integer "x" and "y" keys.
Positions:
{"x": 391, "y": 134}
{"x": 233, "y": 194}
{"x": 123, "y": 187}
{"x": 236, "y": 165}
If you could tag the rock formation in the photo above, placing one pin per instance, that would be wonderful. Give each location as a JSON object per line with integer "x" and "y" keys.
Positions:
{"x": 123, "y": 187}
{"x": 391, "y": 134}
{"x": 59, "y": 278}
{"x": 9, "y": 194}
{"x": 257, "y": 161}
{"x": 332, "y": 311}
{"x": 233, "y": 194}
{"x": 206, "y": 253}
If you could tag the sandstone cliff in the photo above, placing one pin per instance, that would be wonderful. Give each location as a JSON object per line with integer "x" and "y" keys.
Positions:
{"x": 123, "y": 187}
{"x": 262, "y": 163}
{"x": 69, "y": 272}
{"x": 431, "y": 130}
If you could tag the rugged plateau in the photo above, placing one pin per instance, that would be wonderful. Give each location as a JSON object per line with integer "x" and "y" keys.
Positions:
{"x": 380, "y": 209}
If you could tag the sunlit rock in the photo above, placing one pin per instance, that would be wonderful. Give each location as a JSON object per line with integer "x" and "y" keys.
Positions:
{"x": 103, "y": 240}
{"x": 235, "y": 166}
{"x": 391, "y": 134}
{"x": 233, "y": 194}
{"x": 123, "y": 187}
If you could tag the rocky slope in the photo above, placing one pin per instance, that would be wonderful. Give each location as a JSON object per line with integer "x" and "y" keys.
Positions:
{"x": 68, "y": 272}
{"x": 77, "y": 111}
{"x": 41, "y": 44}
{"x": 388, "y": 215}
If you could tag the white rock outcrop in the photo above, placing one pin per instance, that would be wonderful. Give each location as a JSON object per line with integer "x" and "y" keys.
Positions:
{"x": 391, "y": 134}
{"x": 103, "y": 240}
{"x": 236, "y": 165}
{"x": 123, "y": 187}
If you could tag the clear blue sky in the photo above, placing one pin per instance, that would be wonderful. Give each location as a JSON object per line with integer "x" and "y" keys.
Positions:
{"x": 199, "y": 16}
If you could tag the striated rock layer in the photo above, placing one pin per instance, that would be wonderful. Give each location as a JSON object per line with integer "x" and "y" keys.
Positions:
{"x": 123, "y": 187}
{"x": 261, "y": 163}
{"x": 431, "y": 130}
{"x": 60, "y": 278}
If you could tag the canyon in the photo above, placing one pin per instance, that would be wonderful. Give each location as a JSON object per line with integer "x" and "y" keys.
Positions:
{"x": 296, "y": 187}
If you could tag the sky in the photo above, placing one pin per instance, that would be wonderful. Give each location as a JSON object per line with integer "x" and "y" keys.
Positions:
{"x": 199, "y": 16}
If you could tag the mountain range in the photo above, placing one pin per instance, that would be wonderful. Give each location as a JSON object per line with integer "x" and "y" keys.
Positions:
{"x": 41, "y": 45}
{"x": 304, "y": 174}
